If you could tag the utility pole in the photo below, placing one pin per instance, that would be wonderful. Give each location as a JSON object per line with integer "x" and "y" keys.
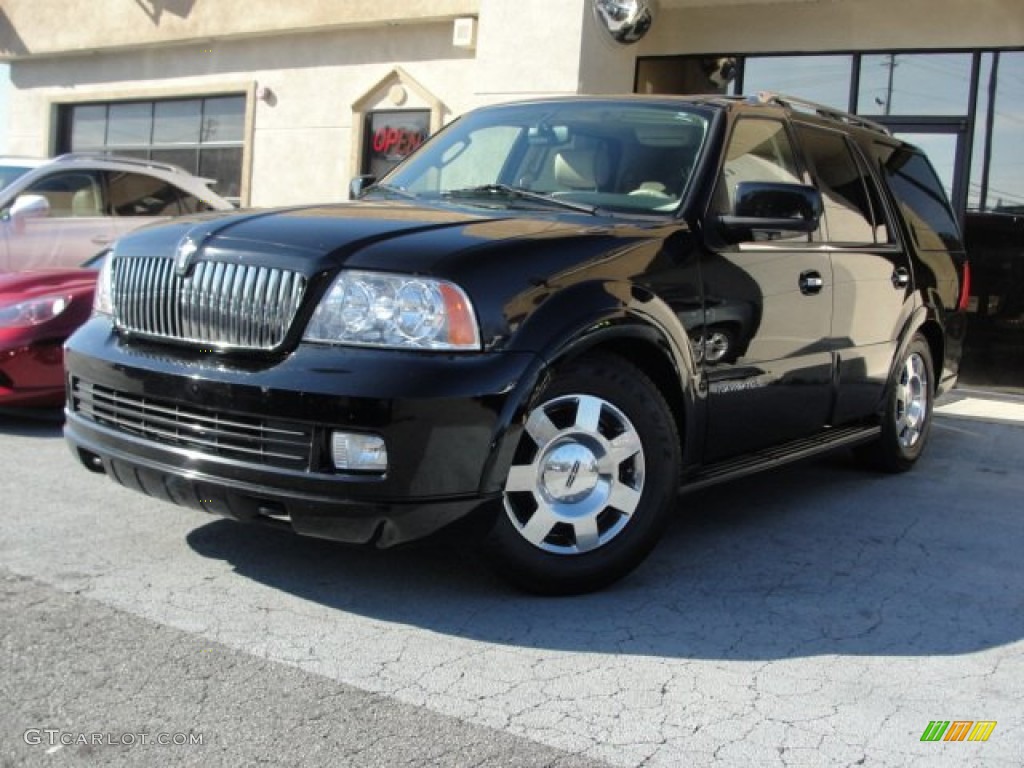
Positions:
{"x": 891, "y": 64}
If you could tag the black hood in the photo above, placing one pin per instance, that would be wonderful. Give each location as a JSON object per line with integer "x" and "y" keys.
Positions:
{"x": 363, "y": 235}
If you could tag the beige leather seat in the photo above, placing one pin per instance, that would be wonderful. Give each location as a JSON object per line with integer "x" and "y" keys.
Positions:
{"x": 583, "y": 169}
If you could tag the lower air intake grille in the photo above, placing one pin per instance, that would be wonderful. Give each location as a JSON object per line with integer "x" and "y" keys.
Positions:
{"x": 276, "y": 443}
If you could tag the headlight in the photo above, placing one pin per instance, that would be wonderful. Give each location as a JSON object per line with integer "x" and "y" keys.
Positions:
{"x": 399, "y": 311}
{"x": 32, "y": 311}
{"x": 103, "y": 298}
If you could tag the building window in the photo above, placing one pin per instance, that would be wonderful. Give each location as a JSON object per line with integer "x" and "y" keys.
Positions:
{"x": 390, "y": 136}
{"x": 915, "y": 84}
{"x": 205, "y": 136}
{"x": 686, "y": 74}
{"x": 997, "y": 170}
{"x": 822, "y": 79}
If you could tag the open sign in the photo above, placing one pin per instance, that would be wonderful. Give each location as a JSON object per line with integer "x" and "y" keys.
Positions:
{"x": 390, "y": 140}
{"x": 390, "y": 136}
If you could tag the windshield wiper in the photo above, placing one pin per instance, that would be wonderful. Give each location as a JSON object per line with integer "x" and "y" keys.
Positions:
{"x": 389, "y": 189}
{"x": 517, "y": 193}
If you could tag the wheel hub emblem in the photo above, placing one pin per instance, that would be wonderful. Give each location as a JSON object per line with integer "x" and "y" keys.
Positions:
{"x": 569, "y": 473}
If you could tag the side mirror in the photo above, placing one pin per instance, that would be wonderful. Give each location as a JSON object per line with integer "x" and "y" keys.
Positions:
{"x": 29, "y": 207}
{"x": 359, "y": 184}
{"x": 763, "y": 205}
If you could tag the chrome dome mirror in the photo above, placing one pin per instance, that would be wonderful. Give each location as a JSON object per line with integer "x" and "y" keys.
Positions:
{"x": 626, "y": 21}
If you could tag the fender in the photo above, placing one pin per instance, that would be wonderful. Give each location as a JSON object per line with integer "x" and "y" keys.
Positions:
{"x": 587, "y": 316}
{"x": 918, "y": 319}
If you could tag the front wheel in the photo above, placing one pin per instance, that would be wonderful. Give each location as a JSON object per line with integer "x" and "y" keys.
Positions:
{"x": 907, "y": 420}
{"x": 593, "y": 480}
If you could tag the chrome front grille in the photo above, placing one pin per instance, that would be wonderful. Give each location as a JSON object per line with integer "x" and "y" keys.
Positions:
{"x": 273, "y": 442}
{"x": 221, "y": 304}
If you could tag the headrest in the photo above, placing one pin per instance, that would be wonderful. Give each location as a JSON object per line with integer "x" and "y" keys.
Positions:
{"x": 581, "y": 169}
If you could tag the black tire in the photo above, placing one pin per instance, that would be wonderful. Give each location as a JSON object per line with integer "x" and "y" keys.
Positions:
{"x": 907, "y": 420}
{"x": 593, "y": 482}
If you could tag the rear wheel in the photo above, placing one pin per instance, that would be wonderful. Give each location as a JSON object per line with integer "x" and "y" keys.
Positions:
{"x": 907, "y": 420}
{"x": 593, "y": 480}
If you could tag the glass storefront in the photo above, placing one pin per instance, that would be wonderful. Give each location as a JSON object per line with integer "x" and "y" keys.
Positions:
{"x": 914, "y": 84}
{"x": 822, "y": 79}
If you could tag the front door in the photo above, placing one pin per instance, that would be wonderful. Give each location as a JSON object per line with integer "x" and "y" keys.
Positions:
{"x": 767, "y": 320}
{"x": 76, "y": 228}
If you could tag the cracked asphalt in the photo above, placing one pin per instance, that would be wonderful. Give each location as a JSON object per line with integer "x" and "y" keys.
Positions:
{"x": 816, "y": 616}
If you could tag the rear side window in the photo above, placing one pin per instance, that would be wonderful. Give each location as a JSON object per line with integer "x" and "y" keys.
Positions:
{"x": 135, "y": 194}
{"x": 852, "y": 213}
{"x": 921, "y": 197}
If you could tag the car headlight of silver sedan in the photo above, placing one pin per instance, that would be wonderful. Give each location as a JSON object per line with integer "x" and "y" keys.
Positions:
{"x": 377, "y": 309}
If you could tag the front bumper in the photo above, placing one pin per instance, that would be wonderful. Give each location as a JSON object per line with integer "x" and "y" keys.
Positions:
{"x": 31, "y": 374}
{"x": 192, "y": 429}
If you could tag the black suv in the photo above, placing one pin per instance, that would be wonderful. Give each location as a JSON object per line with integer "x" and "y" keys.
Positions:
{"x": 548, "y": 320}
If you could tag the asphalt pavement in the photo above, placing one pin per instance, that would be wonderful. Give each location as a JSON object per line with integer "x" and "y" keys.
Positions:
{"x": 819, "y": 615}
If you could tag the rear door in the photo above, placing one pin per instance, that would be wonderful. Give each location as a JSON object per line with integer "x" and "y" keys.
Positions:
{"x": 872, "y": 292}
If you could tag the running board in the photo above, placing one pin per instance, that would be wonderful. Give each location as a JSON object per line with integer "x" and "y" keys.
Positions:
{"x": 778, "y": 455}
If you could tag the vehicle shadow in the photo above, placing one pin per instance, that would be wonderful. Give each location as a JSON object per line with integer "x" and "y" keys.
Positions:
{"x": 816, "y": 558}
{"x": 47, "y": 422}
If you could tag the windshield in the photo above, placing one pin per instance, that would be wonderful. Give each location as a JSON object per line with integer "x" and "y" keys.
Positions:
{"x": 612, "y": 156}
{"x": 9, "y": 173}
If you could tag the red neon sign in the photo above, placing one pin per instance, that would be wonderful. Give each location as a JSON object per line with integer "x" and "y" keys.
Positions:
{"x": 396, "y": 141}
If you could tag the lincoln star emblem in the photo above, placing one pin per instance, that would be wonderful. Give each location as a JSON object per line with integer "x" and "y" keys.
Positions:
{"x": 182, "y": 259}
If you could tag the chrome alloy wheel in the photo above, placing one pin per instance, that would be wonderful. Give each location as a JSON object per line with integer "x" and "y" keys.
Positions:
{"x": 911, "y": 406}
{"x": 577, "y": 477}
{"x": 716, "y": 346}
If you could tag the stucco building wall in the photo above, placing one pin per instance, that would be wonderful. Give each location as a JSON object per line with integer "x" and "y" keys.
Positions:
{"x": 303, "y": 66}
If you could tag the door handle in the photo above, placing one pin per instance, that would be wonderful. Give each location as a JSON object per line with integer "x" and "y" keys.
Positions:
{"x": 900, "y": 278}
{"x": 811, "y": 283}
{"x": 102, "y": 240}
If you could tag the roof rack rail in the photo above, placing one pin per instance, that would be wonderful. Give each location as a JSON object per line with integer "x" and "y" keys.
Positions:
{"x": 822, "y": 110}
{"x": 73, "y": 156}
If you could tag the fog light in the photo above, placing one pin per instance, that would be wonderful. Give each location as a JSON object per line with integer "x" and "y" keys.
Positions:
{"x": 354, "y": 452}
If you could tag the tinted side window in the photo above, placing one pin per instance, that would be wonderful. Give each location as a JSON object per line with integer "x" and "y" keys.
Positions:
{"x": 849, "y": 215}
{"x": 882, "y": 221}
{"x": 71, "y": 193}
{"x": 135, "y": 194}
{"x": 921, "y": 197}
